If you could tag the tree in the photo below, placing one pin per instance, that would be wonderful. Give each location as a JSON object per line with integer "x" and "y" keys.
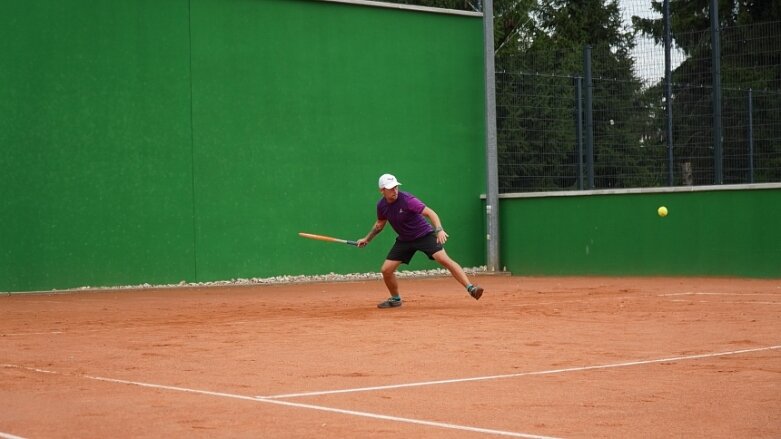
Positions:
{"x": 750, "y": 59}
{"x": 545, "y": 143}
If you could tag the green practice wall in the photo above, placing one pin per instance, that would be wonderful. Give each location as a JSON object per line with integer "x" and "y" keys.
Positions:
{"x": 163, "y": 141}
{"x": 709, "y": 233}
{"x": 95, "y": 131}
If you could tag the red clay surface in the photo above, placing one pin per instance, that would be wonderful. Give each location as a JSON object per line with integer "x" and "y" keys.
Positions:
{"x": 555, "y": 357}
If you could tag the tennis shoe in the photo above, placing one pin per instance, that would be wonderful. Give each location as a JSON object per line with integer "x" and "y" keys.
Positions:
{"x": 389, "y": 303}
{"x": 476, "y": 292}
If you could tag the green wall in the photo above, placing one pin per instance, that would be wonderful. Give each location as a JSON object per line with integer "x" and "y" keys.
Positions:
{"x": 300, "y": 106}
{"x": 170, "y": 140}
{"x": 95, "y": 175}
{"x": 711, "y": 233}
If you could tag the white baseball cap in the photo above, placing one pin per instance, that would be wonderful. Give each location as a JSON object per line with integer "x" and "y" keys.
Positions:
{"x": 388, "y": 181}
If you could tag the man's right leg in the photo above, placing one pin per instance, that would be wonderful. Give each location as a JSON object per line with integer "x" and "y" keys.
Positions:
{"x": 389, "y": 276}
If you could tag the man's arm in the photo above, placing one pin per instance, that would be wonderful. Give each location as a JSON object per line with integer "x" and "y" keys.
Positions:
{"x": 378, "y": 226}
{"x": 434, "y": 220}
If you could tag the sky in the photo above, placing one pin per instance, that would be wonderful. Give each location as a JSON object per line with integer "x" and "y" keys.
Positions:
{"x": 649, "y": 57}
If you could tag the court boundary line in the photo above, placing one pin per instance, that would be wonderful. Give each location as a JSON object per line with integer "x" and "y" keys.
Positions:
{"x": 521, "y": 374}
{"x": 370, "y": 415}
{"x": 276, "y": 399}
{"x": 702, "y": 293}
{"x": 727, "y": 303}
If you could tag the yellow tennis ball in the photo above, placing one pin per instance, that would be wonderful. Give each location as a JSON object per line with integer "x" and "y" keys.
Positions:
{"x": 662, "y": 211}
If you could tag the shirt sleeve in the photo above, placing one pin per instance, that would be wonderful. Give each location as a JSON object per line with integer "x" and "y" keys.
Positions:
{"x": 415, "y": 205}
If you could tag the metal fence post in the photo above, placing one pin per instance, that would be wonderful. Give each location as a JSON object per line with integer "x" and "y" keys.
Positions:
{"x": 718, "y": 159}
{"x": 668, "y": 91}
{"x": 589, "y": 115}
{"x": 750, "y": 137}
{"x": 579, "y": 127}
{"x": 492, "y": 167}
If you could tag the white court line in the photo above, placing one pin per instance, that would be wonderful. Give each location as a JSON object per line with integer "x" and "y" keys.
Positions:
{"x": 299, "y": 405}
{"x": 727, "y": 303}
{"x": 691, "y": 293}
{"x": 515, "y": 375}
{"x": 57, "y": 332}
{"x": 34, "y": 369}
{"x": 270, "y": 399}
{"x": 407, "y": 420}
{"x": 9, "y": 436}
{"x": 328, "y": 409}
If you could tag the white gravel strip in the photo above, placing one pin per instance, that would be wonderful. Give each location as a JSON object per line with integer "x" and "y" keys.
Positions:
{"x": 284, "y": 279}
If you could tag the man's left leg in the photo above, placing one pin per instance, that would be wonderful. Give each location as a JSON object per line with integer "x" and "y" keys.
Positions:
{"x": 458, "y": 273}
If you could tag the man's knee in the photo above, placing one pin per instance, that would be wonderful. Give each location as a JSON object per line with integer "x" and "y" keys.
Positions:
{"x": 388, "y": 269}
{"x": 442, "y": 258}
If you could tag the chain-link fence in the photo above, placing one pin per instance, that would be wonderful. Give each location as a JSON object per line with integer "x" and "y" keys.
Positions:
{"x": 557, "y": 131}
{"x": 567, "y": 121}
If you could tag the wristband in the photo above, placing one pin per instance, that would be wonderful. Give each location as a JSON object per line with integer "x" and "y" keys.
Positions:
{"x": 438, "y": 229}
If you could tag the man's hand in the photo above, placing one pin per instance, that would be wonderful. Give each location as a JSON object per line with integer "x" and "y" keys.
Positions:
{"x": 441, "y": 237}
{"x": 378, "y": 226}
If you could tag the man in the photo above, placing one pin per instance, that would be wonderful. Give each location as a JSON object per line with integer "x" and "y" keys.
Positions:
{"x": 407, "y": 215}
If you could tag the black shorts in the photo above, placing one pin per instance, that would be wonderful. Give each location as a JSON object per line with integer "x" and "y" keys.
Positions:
{"x": 404, "y": 250}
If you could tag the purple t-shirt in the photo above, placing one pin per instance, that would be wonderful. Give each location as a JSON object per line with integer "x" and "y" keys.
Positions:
{"x": 404, "y": 215}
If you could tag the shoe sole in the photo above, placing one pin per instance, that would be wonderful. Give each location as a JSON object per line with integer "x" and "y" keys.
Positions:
{"x": 477, "y": 293}
{"x": 385, "y": 305}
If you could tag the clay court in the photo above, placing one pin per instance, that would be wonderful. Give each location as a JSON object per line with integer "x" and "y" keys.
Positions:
{"x": 535, "y": 357}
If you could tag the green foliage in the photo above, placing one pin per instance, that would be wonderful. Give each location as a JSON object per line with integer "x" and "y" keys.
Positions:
{"x": 750, "y": 59}
{"x": 537, "y": 132}
{"x": 691, "y": 17}
{"x": 539, "y": 56}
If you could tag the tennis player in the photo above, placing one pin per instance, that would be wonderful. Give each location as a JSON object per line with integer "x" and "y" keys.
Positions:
{"x": 407, "y": 215}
